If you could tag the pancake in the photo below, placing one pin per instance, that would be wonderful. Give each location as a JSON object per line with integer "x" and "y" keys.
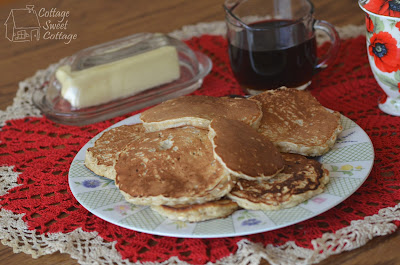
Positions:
{"x": 198, "y": 111}
{"x": 301, "y": 179}
{"x": 170, "y": 167}
{"x": 243, "y": 151}
{"x": 297, "y": 123}
{"x": 102, "y": 156}
{"x": 198, "y": 212}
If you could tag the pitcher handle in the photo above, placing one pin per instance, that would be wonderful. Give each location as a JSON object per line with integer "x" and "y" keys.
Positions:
{"x": 333, "y": 50}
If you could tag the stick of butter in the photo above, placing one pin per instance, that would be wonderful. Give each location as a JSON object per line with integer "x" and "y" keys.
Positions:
{"x": 118, "y": 79}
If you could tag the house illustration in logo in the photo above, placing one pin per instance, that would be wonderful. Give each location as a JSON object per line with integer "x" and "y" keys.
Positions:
{"x": 22, "y": 25}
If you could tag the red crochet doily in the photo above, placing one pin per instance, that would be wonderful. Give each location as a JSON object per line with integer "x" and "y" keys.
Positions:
{"x": 42, "y": 151}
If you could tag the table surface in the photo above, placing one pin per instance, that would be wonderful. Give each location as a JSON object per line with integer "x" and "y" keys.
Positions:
{"x": 99, "y": 21}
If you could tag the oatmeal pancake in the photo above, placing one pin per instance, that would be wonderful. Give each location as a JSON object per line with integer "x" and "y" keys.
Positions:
{"x": 102, "y": 156}
{"x": 198, "y": 111}
{"x": 297, "y": 123}
{"x": 170, "y": 167}
{"x": 243, "y": 151}
{"x": 198, "y": 212}
{"x": 301, "y": 179}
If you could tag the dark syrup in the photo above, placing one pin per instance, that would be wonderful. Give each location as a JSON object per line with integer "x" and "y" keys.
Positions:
{"x": 284, "y": 56}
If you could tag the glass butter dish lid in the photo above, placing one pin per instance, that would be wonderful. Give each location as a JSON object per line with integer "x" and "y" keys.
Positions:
{"x": 121, "y": 76}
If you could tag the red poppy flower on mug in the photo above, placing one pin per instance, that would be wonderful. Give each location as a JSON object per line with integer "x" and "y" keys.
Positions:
{"x": 397, "y": 25}
{"x": 384, "y": 7}
{"x": 369, "y": 23}
{"x": 385, "y": 52}
{"x": 383, "y": 99}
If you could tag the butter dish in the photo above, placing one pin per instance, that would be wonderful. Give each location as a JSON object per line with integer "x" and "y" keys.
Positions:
{"x": 121, "y": 76}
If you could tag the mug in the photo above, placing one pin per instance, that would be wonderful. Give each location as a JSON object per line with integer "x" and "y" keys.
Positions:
{"x": 273, "y": 43}
{"x": 383, "y": 51}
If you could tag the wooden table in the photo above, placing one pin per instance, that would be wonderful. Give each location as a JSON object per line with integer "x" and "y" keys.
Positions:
{"x": 99, "y": 21}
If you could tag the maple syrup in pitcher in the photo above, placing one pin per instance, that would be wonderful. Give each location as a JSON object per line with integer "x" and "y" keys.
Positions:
{"x": 281, "y": 53}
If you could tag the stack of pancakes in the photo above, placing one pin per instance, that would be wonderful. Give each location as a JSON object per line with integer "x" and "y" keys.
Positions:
{"x": 196, "y": 158}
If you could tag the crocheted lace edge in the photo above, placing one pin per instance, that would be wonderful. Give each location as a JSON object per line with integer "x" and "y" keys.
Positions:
{"x": 15, "y": 233}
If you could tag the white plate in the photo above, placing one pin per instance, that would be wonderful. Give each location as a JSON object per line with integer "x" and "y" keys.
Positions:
{"x": 349, "y": 162}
